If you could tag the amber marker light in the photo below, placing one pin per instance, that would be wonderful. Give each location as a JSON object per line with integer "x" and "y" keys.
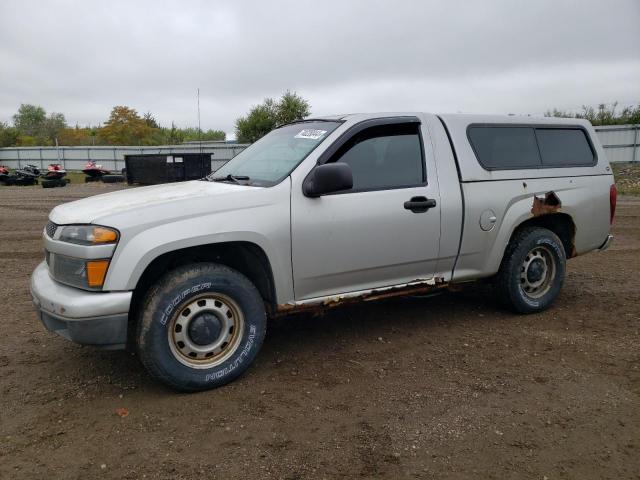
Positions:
{"x": 104, "y": 235}
{"x": 96, "y": 272}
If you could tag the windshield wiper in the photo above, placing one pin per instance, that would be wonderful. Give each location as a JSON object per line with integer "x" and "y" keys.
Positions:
{"x": 231, "y": 178}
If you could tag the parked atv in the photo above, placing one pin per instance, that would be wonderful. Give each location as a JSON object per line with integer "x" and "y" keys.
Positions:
{"x": 54, "y": 176}
{"x": 4, "y": 174}
{"x": 27, "y": 175}
{"x": 94, "y": 172}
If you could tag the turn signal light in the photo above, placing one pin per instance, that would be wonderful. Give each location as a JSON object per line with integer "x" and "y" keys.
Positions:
{"x": 104, "y": 235}
{"x": 96, "y": 272}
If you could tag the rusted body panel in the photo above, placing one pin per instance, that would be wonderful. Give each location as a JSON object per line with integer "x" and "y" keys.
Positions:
{"x": 543, "y": 206}
{"x": 417, "y": 287}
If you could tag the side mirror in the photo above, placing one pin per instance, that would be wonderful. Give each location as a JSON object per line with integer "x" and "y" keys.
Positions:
{"x": 328, "y": 178}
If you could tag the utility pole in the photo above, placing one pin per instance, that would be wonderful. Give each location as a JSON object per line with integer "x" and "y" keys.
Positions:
{"x": 635, "y": 143}
{"x": 199, "y": 129}
{"x": 58, "y": 152}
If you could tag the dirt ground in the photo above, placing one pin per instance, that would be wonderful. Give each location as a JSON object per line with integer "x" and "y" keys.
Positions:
{"x": 444, "y": 387}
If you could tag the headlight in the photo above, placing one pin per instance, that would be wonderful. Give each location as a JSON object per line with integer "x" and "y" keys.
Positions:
{"x": 86, "y": 274}
{"x": 88, "y": 235}
{"x": 84, "y": 261}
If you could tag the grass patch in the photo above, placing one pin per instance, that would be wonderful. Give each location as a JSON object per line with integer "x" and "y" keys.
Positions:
{"x": 627, "y": 178}
{"x": 75, "y": 177}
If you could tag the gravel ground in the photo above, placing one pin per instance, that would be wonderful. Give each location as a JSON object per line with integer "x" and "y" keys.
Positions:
{"x": 444, "y": 387}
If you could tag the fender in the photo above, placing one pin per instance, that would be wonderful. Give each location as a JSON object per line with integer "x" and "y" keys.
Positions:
{"x": 482, "y": 252}
{"x": 266, "y": 226}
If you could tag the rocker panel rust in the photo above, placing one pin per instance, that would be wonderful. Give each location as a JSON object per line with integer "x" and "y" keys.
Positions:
{"x": 420, "y": 286}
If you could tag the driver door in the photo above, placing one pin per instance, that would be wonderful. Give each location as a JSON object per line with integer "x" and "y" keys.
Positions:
{"x": 369, "y": 237}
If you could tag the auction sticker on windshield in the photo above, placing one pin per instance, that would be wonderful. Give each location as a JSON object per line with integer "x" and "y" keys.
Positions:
{"x": 311, "y": 134}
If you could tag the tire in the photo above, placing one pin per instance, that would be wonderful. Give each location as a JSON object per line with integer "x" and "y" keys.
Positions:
{"x": 49, "y": 183}
{"x": 532, "y": 270}
{"x": 112, "y": 178}
{"x": 225, "y": 306}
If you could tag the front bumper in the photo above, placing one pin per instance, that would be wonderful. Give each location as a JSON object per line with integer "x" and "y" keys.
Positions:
{"x": 607, "y": 243}
{"x": 90, "y": 318}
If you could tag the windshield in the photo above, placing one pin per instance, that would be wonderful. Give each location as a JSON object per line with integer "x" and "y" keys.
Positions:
{"x": 272, "y": 158}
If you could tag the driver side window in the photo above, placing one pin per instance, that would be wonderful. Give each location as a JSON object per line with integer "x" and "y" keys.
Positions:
{"x": 384, "y": 157}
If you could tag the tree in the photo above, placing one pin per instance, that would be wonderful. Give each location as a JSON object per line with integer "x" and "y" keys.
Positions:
{"x": 30, "y": 119}
{"x": 26, "y": 141}
{"x": 35, "y": 127}
{"x": 125, "y": 127}
{"x": 77, "y": 136}
{"x": 260, "y": 121}
{"x": 8, "y": 135}
{"x": 291, "y": 107}
{"x": 193, "y": 135}
{"x": 52, "y": 125}
{"x": 263, "y": 118}
{"x": 602, "y": 115}
{"x": 150, "y": 120}
{"x": 174, "y": 135}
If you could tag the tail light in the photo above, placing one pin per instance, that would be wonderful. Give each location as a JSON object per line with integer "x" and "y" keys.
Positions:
{"x": 613, "y": 199}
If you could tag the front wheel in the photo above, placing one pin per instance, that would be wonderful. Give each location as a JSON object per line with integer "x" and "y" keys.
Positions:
{"x": 200, "y": 327}
{"x": 532, "y": 270}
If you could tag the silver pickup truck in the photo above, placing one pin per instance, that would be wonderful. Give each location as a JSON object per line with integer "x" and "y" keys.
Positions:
{"x": 319, "y": 213}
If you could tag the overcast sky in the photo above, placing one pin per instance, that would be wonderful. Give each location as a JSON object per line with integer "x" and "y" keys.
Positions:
{"x": 83, "y": 57}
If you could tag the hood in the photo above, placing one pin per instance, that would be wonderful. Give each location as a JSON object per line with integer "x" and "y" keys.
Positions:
{"x": 92, "y": 209}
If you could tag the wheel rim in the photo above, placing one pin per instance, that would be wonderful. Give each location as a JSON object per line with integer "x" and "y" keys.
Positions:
{"x": 537, "y": 272}
{"x": 206, "y": 330}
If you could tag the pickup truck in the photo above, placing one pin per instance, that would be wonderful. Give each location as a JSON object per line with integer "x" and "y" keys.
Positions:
{"x": 319, "y": 213}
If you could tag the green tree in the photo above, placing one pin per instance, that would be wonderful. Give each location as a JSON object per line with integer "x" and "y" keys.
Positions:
{"x": 26, "y": 141}
{"x": 192, "y": 135}
{"x": 150, "y": 120}
{"x": 77, "y": 136}
{"x": 35, "y": 127}
{"x": 29, "y": 119}
{"x": 174, "y": 135}
{"x": 603, "y": 114}
{"x": 52, "y": 126}
{"x": 259, "y": 121}
{"x": 263, "y": 118}
{"x": 291, "y": 107}
{"x": 8, "y": 135}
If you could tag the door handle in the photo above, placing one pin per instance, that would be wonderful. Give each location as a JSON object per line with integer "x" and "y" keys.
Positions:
{"x": 419, "y": 204}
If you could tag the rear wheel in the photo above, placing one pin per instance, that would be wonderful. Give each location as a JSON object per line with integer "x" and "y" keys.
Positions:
{"x": 532, "y": 270}
{"x": 200, "y": 327}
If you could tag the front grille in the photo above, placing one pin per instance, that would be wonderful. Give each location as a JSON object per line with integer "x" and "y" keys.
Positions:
{"x": 51, "y": 229}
